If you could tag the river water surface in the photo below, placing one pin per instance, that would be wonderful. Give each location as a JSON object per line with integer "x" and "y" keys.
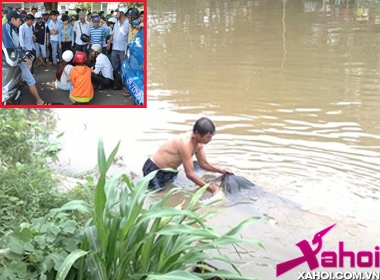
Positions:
{"x": 293, "y": 88}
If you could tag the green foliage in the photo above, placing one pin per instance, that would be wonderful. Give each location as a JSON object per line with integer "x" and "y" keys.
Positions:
{"x": 37, "y": 250}
{"x": 83, "y": 5}
{"x": 26, "y": 183}
{"x": 126, "y": 238}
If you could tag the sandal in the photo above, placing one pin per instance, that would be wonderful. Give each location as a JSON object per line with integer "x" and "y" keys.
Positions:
{"x": 50, "y": 103}
{"x": 126, "y": 94}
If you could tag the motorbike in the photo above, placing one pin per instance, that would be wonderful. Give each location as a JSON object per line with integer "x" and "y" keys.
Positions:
{"x": 12, "y": 83}
{"x": 132, "y": 68}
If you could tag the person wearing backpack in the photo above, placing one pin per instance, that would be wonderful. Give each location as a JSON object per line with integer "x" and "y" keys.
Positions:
{"x": 102, "y": 75}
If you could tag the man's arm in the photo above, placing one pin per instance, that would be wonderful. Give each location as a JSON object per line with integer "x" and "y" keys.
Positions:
{"x": 21, "y": 37}
{"x": 109, "y": 42}
{"x": 187, "y": 163}
{"x": 8, "y": 39}
{"x": 201, "y": 157}
{"x": 189, "y": 166}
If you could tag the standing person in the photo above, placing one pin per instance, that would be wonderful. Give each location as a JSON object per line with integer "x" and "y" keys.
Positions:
{"x": 33, "y": 11}
{"x": 96, "y": 37}
{"x": 40, "y": 32}
{"x": 10, "y": 40}
{"x": 46, "y": 19}
{"x": 6, "y": 10}
{"x": 119, "y": 38}
{"x": 54, "y": 27}
{"x": 132, "y": 14}
{"x": 82, "y": 90}
{"x": 111, "y": 23}
{"x": 66, "y": 35}
{"x": 63, "y": 71}
{"x": 101, "y": 15}
{"x": 89, "y": 19}
{"x": 102, "y": 75}
{"x": 77, "y": 10}
{"x": 81, "y": 27}
{"x": 26, "y": 35}
{"x": 180, "y": 150}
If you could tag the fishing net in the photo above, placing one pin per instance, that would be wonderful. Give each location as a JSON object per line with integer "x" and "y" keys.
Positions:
{"x": 232, "y": 184}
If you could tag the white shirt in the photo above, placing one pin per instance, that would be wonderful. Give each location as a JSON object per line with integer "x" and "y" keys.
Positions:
{"x": 56, "y": 26}
{"x": 63, "y": 83}
{"x": 120, "y": 35}
{"x": 26, "y": 37}
{"x": 103, "y": 65}
{"x": 85, "y": 29}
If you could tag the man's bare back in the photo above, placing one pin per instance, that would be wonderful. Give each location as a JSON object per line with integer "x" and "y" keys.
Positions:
{"x": 169, "y": 154}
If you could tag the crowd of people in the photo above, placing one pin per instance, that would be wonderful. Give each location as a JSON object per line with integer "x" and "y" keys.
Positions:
{"x": 85, "y": 49}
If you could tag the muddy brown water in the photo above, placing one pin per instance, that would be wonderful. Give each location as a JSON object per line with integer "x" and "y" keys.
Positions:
{"x": 293, "y": 87}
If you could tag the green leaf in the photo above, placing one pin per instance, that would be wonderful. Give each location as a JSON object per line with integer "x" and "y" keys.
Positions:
{"x": 112, "y": 156}
{"x": 69, "y": 262}
{"x": 175, "y": 275}
{"x": 242, "y": 225}
{"x": 79, "y": 205}
{"x": 101, "y": 158}
{"x": 16, "y": 245}
{"x": 92, "y": 238}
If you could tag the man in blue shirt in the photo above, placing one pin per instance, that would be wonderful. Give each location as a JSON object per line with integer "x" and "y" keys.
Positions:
{"x": 11, "y": 40}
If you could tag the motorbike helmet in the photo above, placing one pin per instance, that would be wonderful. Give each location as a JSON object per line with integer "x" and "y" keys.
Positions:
{"x": 133, "y": 13}
{"x": 8, "y": 9}
{"x": 80, "y": 57}
{"x": 67, "y": 56}
{"x": 97, "y": 48}
{"x": 112, "y": 20}
{"x": 122, "y": 10}
{"x": 136, "y": 22}
{"x": 38, "y": 15}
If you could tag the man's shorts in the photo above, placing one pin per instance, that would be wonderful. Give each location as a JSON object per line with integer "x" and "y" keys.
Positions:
{"x": 161, "y": 178}
{"x": 26, "y": 75}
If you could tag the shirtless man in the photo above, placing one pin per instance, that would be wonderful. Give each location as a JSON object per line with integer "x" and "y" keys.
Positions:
{"x": 180, "y": 150}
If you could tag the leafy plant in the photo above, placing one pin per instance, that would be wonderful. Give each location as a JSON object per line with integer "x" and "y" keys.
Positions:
{"x": 26, "y": 183}
{"x": 128, "y": 238}
{"x": 37, "y": 250}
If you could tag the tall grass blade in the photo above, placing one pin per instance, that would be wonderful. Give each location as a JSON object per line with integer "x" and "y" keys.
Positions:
{"x": 175, "y": 275}
{"x": 69, "y": 261}
{"x": 78, "y": 205}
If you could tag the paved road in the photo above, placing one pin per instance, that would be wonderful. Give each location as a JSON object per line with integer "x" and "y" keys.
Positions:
{"x": 46, "y": 88}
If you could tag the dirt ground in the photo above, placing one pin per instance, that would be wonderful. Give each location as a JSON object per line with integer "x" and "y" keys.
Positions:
{"x": 46, "y": 88}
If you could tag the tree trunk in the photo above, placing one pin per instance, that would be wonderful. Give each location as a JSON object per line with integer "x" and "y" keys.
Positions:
{"x": 51, "y": 6}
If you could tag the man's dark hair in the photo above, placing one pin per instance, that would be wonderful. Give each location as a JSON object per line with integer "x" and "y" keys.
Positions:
{"x": 34, "y": 9}
{"x": 101, "y": 13}
{"x": 29, "y": 17}
{"x": 78, "y": 10}
{"x": 64, "y": 18}
{"x": 53, "y": 13}
{"x": 112, "y": 12}
{"x": 204, "y": 126}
